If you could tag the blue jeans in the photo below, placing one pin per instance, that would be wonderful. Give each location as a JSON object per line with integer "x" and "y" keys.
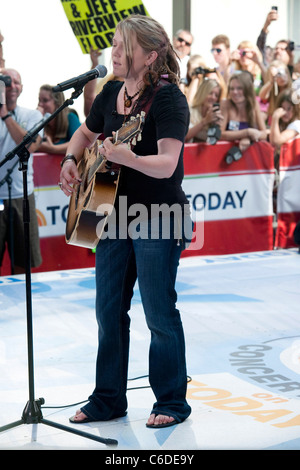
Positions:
{"x": 154, "y": 262}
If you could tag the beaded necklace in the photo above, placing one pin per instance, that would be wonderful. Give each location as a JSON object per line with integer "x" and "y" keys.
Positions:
{"x": 128, "y": 99}
{"x": 128, "y": 102}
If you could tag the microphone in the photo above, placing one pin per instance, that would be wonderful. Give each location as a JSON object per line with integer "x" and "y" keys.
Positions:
{"x": 99, "y": 71}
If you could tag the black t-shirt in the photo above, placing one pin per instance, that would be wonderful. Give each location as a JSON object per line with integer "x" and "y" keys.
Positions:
{"x": 168, "y": 117}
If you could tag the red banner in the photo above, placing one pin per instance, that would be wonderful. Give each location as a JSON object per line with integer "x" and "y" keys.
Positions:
{"x": 51, "y": 208}
{"x": 231, "y": 205}
{"x": 288, "y": 196}
{"x": 233, "y": 202}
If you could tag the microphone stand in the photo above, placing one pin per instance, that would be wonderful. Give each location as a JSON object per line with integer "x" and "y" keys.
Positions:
{"x": 32, "y": 413}
{"x": 8, "y": 179}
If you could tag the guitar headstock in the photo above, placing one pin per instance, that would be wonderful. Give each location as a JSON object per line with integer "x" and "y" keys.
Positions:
{"x": 131, "y": 130}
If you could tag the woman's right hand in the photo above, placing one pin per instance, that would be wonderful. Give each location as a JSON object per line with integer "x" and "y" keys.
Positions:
{"x": 244, "y": 144}
{"x": 69, "y": 177}
{"x": 254, "y": 134}
{"x": 213, "y": 116}
{"x": 278, "y": 113}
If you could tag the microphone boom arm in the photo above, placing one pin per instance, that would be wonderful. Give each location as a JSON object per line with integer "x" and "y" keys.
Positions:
{"x": 98, "y": 72}
{"x": 21, "y": 149}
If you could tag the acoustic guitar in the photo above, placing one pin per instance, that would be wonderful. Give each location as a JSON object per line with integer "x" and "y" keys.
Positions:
{"x": 93, "y": 201}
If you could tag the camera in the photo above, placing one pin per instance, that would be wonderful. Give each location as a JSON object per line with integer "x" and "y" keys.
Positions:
{"x": 280, "y": 72}
{"x": 274, "y": 8}
{"x": 213, "y": 134}
{"x": 6, "y": 79}
{"x": 234, "y": 154}
{"x": 214, "y": 130}
{"x": 291, "y": 46}
{"x": 202, "y": 71}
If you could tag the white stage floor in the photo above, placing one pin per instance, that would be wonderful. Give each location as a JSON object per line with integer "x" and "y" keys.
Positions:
{"x": 241, "y": 315}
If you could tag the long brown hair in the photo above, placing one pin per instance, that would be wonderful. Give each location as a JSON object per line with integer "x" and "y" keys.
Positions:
{"x": 61, "y": 120}
{"x": 288, "y": 96}
{"x": 151, "y": 36}
{"x": 280, "y": 66}
{"x": 246, "y": 82}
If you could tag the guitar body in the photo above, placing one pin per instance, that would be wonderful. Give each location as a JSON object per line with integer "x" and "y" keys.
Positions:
{"x": 93, "y": 201}
{"x": 91, "y": 204}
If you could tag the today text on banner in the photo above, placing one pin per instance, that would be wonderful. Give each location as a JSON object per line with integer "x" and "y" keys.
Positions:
{"x": 93, "y": 22}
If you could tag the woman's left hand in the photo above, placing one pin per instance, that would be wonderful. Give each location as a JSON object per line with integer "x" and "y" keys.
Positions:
{"x": 278, "y": 113}
{"x": 48, "y": 145}
{"x": 115, "y": 153}
{"x": 244, "y": 144}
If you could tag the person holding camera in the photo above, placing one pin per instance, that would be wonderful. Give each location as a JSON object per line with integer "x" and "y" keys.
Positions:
{"x": 262, "y": 38}
{"x": 243, "y": 120}
{"x": 247, "y": 57}
{"x": 284, "y": 48}
{"x": 204, "y": 111}
{"x": 15, "y": 122}
{"x": 278, "y": 79}
{"x": 284, "y": 51}
{"x": 194, "y": 77}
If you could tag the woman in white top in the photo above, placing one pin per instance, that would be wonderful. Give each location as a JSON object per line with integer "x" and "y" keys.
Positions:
{"x": 285, "y": 123}
{"x": 278, "y": 79}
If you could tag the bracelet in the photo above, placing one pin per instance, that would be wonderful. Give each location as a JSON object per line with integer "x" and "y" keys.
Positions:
{"x": 7, "y": 116}
{"x": 69, "y": 156}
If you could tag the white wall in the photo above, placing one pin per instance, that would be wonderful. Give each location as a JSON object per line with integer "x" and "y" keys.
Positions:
{"x": 40, "y": 44}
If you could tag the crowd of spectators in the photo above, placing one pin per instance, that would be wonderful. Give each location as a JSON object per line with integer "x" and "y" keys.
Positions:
{"x": 257, "y": 88}
{"x": 252, "y": 94}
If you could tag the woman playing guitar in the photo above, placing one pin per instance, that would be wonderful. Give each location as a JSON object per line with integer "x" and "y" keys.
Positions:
{"x": 151, "y": 176}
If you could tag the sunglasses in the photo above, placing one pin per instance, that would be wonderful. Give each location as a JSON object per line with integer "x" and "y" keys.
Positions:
{"x": 217, "y": 50}
{"x": 183, "y": 40}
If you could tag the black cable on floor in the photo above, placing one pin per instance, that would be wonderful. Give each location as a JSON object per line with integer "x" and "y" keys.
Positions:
{"x": 128, "y": 389}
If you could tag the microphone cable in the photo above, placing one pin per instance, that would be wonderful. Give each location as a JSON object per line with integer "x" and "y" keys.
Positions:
{"x": 189, "y": 379}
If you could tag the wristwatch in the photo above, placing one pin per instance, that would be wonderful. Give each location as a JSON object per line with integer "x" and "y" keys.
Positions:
{"x": 7, "y": 116}
{"x": 69, "y": 156}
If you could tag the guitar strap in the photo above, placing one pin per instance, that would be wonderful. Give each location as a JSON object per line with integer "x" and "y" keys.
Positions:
{"x": 146, "y": 104}
{"x": 145, "y": 107}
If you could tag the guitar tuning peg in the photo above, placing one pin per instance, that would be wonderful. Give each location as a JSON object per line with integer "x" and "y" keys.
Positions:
{"x": 139, "y": 137}
{"x": 134, "y": 141}
{"x": 132, "y": 118}
{"x": 128, "y": 145}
